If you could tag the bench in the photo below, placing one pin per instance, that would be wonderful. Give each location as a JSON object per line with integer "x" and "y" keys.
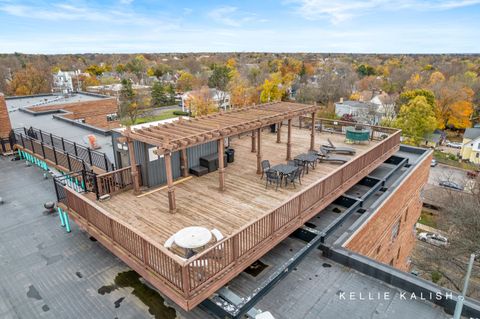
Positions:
{"x": 198, "y": 170}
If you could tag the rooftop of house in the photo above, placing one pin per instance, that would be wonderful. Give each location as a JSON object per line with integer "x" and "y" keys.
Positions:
{"x": 471, "y": 133}
{"x": 16, "y": 102}
{"x": 356, "y": 104}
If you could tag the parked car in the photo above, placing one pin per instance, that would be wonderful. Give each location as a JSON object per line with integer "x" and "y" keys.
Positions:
{"x": 433, "y": 163}
{"x": 472, "y": 174}
{"x": 452, "y": 185}
{"x": 454, "y": 144}
{"x": 434, "y": 239}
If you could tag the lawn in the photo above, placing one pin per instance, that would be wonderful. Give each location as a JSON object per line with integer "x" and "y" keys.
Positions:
{"x": 452, "y": 160}
{"x": 428, "y": 219}
{"x": 146, "y": 119}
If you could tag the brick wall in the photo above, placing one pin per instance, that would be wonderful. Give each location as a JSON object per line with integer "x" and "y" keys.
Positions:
{"x": 378, "y": 238}
{"x": 5, "y": 125}
{"x": 94, "y": 112}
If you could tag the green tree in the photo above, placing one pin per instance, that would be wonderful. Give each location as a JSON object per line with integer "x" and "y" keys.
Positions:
{"x": 416, "y": 119}
{"x": 219, "y": 79}
{"x": 130, "y": 102}
{"x": 162, "y": 94}
{"x": 407, "y": 96}
{"x": 137, "y": 65}
{"x": 365, "y": 70}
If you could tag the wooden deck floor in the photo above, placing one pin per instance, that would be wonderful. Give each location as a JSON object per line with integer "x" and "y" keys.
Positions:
{"x": 200, "y": 203}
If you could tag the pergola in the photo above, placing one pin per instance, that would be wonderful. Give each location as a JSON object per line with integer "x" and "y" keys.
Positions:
{"x": 182, "y": 134}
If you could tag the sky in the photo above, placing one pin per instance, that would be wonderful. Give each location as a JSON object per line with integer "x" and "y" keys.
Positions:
{"x": 148, "y": 26}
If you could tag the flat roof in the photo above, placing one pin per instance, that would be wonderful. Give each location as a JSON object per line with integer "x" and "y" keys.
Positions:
{"x": 16, "y": 102}
{"x": 47, "y": 272}
{"x": 61, "y": 128}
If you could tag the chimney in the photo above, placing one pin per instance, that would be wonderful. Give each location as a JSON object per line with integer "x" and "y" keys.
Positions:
{"x": 5, "y": 126}
{"x": 341, "y": 100}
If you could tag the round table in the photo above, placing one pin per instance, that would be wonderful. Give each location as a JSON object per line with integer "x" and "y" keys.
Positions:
{"x": 192, "y": 237}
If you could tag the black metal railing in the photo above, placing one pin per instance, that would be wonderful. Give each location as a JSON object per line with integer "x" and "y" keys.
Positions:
{"x": 92, "y": 157}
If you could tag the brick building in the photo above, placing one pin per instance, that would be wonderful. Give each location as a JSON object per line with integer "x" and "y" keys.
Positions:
{"x": 5, "y": 125}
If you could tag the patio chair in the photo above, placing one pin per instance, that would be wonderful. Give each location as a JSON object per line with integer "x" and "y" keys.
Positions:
{"x": 265, "y": 167}
{"x": 217, "y": 234}
{"x": 331, "y": 148}
{"x": 325, "y": 157}
{"x": 295, "y": 175}
{"x": 272, "y": 177}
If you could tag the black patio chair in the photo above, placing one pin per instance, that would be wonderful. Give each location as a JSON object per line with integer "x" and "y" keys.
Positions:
{"x": 272, "y": 177}
{"x": 265, "y": 167}
{"x": 294, "y": 176}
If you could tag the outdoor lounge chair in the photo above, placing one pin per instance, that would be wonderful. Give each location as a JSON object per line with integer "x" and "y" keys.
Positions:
{"x": 325, "y": 157}
{"x": 169, "y": 243}
{"x": 331, "y": 148}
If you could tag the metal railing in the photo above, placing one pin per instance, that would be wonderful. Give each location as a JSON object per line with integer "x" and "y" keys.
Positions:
{"x": 92, "y": 157}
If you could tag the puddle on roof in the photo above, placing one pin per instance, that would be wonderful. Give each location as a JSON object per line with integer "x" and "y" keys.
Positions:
{"x": 151, "y": 298}
{"x": 256, "y": 268}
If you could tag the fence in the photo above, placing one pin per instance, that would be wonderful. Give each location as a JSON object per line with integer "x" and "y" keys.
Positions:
{"x": 92, "y": 157}
{"x": 60, "y": 158}
{"x": 115, "y": 181}
{"x": 193, "y": 276}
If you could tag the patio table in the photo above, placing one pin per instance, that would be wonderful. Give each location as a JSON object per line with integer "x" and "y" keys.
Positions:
{"x": 284, "y": 170}
{"x": 309, "y": 159}
{"x": 193, "y": 237}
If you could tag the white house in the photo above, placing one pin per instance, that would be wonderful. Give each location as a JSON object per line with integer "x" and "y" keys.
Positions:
{"x": 62, "y": 81}
{"x": 362, "y": 112}
{"x": 221, "y": 98}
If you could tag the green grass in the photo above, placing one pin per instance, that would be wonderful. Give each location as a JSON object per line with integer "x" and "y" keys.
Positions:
{"x": 428, "y": 219}
{"x": 452, "y": 160}
{"x": 146, "y": 119}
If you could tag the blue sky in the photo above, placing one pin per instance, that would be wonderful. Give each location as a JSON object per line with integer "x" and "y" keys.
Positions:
{"x": 129, "y": 26}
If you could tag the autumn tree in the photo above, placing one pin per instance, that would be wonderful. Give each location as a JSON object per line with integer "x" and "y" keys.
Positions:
{"x": 272, "y": 89}
{"x": 186, "y": 82}
{"x": 137, "y": 66}
{"x": 120, "y": 68}
{"x": 416, "y": 119}
{"x": 30, "y": 80}
{"x": 201, "y": 102}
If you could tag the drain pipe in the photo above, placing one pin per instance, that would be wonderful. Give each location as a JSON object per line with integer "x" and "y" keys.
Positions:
{"x": 461, "y": 298}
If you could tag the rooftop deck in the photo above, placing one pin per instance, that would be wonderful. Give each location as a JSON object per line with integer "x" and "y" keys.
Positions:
{"x": 201, "y": 203}
{"x": 252, "y": 218}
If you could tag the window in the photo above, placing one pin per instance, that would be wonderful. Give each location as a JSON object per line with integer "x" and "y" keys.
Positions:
{"x": 395, "y": 230}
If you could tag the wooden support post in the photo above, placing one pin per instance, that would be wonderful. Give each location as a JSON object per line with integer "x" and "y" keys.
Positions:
{"x": 289, "y": 140}
{"x": 221, "y": 164}
{"x": 133, "y": 165}
{"x": 279, "y": 132}
{"x": 312, "y": 134}
{"x": 253, "y": 142}
{"x": 259, "y": 151}
{"x": 171, "y": 189}
{"x": 184, "y": 162}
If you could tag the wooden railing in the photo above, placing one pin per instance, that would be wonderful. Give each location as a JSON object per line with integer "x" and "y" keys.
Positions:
{"x": 186, "y": 280}
{"x": 115, "y": 181}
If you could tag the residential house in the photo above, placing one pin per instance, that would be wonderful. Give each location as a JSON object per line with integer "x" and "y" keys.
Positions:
{"x": 471, "y": 145}
{"x": 362, "y": 112}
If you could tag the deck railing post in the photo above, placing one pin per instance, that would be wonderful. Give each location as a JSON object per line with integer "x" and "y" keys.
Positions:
{"x": 43, "y": 149}
{"x": 235, "y": 248}
{"x": 63, "y": 145}
{"x": 75, "y": 148}
{"x": 51, "y": 139}
{"x": 106, "y": 161}
{"x": 68, "y": 161}
{"x": 90, "y": 155}
{"x": 55, "y": 154}
{"x": 41, "y": 135}
{"x": 186, "y": 280}
{"x": 23, "y": 142}
{"x": 95, "y": 188}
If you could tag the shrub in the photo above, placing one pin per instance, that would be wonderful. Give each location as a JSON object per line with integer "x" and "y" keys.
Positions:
{"x": 181, "y": 113}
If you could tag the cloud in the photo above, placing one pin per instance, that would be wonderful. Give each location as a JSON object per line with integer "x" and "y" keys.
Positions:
{"x": 126, "y": 1}
{"x": 65, "y": 11}
{"x": 340, "y": 10}
{"x": 230, "y": 16}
